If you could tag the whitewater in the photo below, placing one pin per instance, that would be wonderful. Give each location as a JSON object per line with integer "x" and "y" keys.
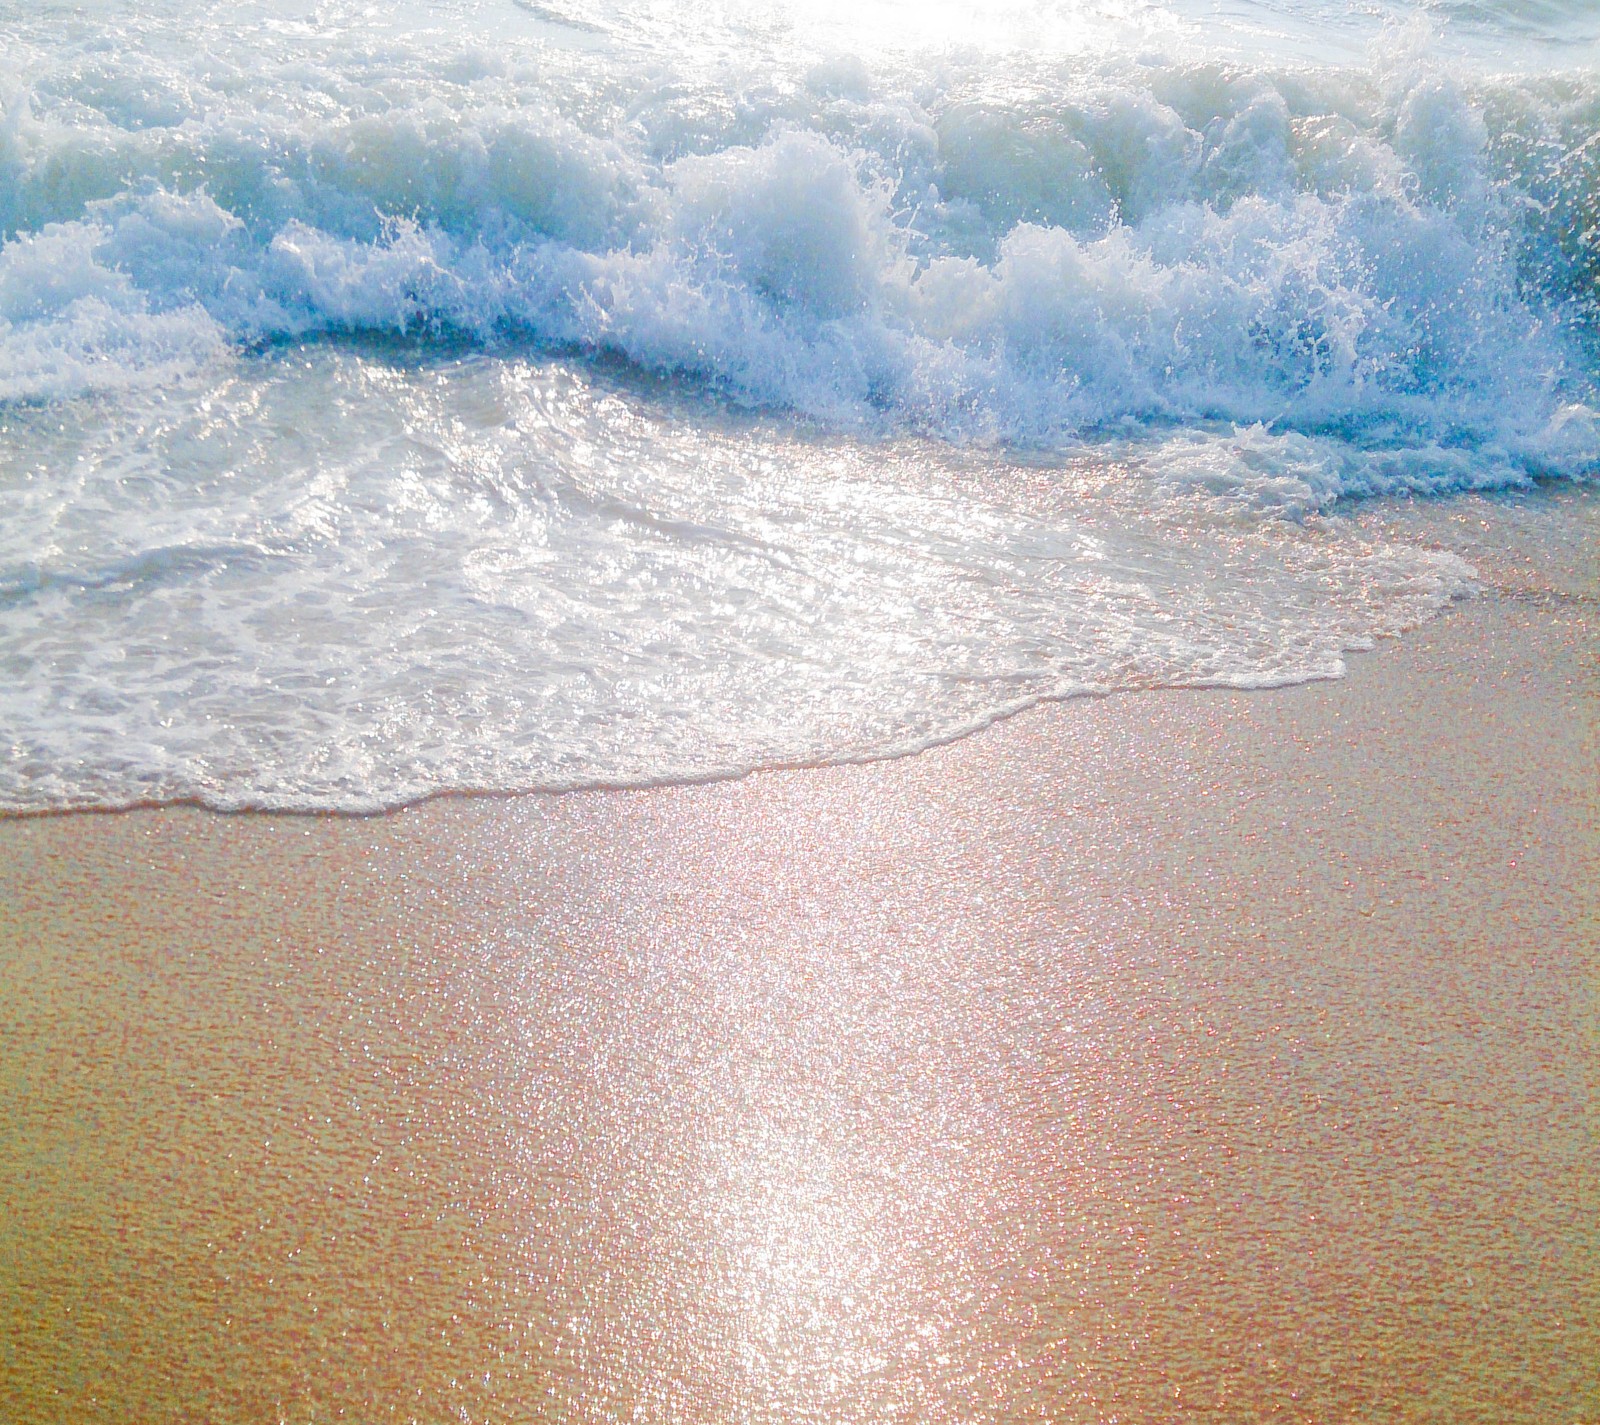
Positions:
{"x": 490, "y": 395}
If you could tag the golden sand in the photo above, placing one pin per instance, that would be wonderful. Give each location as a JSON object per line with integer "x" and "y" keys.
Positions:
{"x": 1172, "y": 1055}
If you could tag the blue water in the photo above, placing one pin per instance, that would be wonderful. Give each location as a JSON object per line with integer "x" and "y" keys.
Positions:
{"x": 506, "y": 395}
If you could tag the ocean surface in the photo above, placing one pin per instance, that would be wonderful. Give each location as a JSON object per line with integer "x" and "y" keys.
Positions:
{"x": 500, "y": 395}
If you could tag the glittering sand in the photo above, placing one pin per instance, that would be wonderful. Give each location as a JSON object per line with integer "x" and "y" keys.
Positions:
{"x": 1171, "y": 1054}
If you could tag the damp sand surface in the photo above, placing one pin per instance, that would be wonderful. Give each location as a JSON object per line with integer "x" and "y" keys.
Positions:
{"x": 1211, "y": 1055}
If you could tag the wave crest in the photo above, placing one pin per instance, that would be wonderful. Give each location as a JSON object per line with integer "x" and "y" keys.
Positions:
{"x": 1400, "y": 255}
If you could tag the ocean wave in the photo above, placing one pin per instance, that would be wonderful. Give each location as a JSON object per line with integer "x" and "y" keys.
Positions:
{"x": 1400, "y": 254}
{"x": 337, "y": 470}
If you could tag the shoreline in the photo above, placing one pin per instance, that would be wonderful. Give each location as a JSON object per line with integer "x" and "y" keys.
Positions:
{"x": 1567, "y": 571}
{"x": 1221, "y": 1050}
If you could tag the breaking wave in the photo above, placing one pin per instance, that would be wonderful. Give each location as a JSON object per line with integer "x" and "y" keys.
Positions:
{"x": 1397, "y": 253}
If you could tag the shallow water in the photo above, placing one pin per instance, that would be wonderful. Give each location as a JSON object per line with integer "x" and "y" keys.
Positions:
{"x": 490, "y": 396}
{"x": 394, "y": 576}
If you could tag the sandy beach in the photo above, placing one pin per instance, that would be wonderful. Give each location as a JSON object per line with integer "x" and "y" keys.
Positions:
{"x": 768, "y": 712}
{"x": 1173, "y": 1055}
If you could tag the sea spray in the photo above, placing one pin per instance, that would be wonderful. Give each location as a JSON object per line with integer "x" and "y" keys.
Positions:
{"x": 468, "y": 399}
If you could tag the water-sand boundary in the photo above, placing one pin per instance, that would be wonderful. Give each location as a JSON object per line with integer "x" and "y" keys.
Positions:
{"x": 1173, "y": 1047}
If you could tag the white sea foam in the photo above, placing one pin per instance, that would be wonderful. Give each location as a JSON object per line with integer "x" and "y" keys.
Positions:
{"x": 991, "y": 374}
{"x": 325, "y": 578}
{"x": 1400, "y": 248}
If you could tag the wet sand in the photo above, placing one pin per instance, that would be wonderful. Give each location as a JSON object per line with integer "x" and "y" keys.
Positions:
{"x": 1171, "y": 1056}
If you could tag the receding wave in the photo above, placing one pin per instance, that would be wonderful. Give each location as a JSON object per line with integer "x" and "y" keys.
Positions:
{"x": 329, "y": 580}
